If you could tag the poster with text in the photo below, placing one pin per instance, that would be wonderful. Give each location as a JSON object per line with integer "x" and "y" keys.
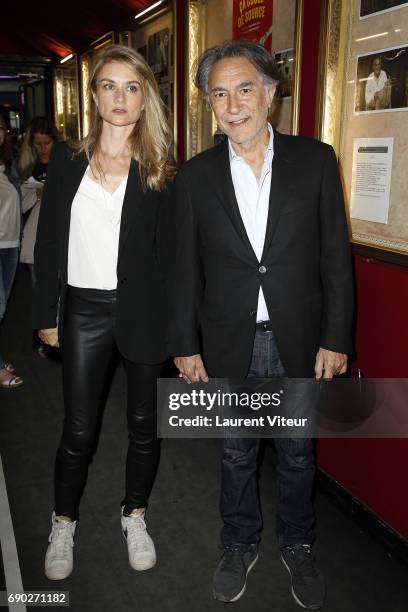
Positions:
{"x": 252, "y": 20}
{"x": 371, "y": 179}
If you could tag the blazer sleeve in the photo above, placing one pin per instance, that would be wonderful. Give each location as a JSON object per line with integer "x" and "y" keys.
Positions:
{"x": 179, "y": 256}
{"x": 46, "y": 250}
{"x": 335, "y": 263}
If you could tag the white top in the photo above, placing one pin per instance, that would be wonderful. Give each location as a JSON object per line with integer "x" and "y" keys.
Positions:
{"x": 253, "y": 203}
{"x": 373, "y": 85}
{"x": 94, "y": 235}
{"x": 9, "y": 213}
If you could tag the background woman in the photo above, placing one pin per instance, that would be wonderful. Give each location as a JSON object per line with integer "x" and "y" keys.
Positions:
{"x": 39, "y": 139}
{"x": 96, "y": 253}
{"x": 35, "y": 155}
{"x": 9, "y": 238}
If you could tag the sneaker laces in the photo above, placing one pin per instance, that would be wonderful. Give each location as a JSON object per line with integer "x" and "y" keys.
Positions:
{"x": 303, "y": 560}
{"x": 233, "y": 557}
{"x": 61, "y": 539}
{"x": 137, "y": 533}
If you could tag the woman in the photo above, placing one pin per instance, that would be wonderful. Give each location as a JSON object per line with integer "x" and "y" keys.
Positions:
{"x": 9, "y": 238}
{"x": 96, "y": 255}
{"x": 35, "y": 155}
{"x": 36, "y": 149}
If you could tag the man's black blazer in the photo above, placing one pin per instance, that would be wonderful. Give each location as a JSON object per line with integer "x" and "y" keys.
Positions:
{"x": 140, "y": 316}
{"x": 215, "y": 278}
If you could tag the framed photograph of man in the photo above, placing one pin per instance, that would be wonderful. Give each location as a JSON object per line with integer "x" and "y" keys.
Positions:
{"x": 285, "y": 60}
{"x": 158, "y": 54}
{"x": 373, "y": 7}
{"x": 382, "y": 81}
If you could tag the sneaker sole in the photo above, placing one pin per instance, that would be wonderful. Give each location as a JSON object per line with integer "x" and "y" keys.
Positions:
{"x": 242, "y": 591}
{"x": 135, "y": 567}
{"x": 59, "y": 577}
{"x": 295, "y": 597}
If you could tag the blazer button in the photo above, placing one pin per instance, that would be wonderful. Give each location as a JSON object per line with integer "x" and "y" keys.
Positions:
{"x": 252, "y": 313}
{"x": 123, "y": 280}
{"x": 262, "y": 269}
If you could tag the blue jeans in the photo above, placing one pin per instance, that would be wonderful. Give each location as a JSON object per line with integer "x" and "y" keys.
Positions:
{"x": 8, "y": 266}
{"x": 239, "y": 505}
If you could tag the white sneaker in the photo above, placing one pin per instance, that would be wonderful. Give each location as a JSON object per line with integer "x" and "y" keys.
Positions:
{"x": 59, "y": 556}
{"x": 142, "y": 554}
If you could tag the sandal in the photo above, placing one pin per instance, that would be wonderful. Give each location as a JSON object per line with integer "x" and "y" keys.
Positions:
{"x": 11, "y": 382}
{"x": 9, "y": 367}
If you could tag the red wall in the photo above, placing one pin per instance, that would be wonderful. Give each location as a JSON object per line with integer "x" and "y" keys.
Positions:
{"x": 374, "y": 471}
{"x": 309, "y": 67}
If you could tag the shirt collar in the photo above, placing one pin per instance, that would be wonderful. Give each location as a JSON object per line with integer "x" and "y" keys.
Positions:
{"x": 233, "y": 156}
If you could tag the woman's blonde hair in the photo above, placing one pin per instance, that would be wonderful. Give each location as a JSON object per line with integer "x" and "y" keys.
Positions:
{"x": 151, "y": 139}
{"x": 28, "y": 155}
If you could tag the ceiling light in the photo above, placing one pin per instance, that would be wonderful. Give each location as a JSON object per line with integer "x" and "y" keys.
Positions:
{"x": 150, "y": 8}
{"x": 65, "y": 59}
{"x": 372, "y": 36}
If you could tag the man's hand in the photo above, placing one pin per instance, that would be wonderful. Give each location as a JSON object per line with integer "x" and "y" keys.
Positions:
{"x": 330, "y": 362}
{"x": 191, "y": 368}
{"x": 49, "y": 336}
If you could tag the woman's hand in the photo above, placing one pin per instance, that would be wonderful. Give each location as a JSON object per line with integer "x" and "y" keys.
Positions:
{"x": 49, "y": 336}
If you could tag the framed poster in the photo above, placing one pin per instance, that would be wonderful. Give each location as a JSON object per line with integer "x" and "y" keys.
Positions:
{"x": 143, "y": 51}
{"x": 373, "y": 7}
{"x": 158, "y": 54}
{"x": 253, "y": 21}
{"x": 364, "y": 72}
{"x": 285, "y": 61}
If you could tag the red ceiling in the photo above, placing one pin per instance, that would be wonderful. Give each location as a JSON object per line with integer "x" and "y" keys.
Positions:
{"x": 56, "y": 28}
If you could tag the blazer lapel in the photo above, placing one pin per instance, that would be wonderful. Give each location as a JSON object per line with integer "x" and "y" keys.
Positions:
{"x": 77, "y": 168}
{"x": 226, "y": 193}
{"x": 133, "y": 197}
{"x": 282, "y": 176}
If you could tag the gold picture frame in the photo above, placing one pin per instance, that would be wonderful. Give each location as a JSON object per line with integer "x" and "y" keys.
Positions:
{"x": 200, "y": 127}
{"x": 345, "y": 38}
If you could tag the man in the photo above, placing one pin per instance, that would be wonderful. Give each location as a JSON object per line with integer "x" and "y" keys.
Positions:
{"x": 378, "y": 88}
{"x": 262, "y": 285}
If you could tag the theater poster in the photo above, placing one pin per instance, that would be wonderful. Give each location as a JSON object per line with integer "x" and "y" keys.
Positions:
{"x": 252, "y": 20}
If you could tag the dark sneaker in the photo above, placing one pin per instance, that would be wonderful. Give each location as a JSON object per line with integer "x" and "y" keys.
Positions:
{"x": 308, "y": 587}
{"x": 232, "y": 570}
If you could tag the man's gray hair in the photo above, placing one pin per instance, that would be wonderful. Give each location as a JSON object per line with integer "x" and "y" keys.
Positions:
{"x": 259, "y": 57}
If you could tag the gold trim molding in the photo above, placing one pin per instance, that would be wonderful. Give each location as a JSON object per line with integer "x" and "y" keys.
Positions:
{"x": 383, "y": 243}
{"x": 298, "y": 66}
{"x": 331, "y": 71}
{"x": 196, "y": 31}
{"x": 86, "y": 107}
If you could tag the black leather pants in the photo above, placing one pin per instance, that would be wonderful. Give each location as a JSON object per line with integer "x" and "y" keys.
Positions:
{"x": 88, "y": 352}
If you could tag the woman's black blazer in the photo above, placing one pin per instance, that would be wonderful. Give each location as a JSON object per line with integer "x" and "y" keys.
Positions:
{"x": 140, "y": 315}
